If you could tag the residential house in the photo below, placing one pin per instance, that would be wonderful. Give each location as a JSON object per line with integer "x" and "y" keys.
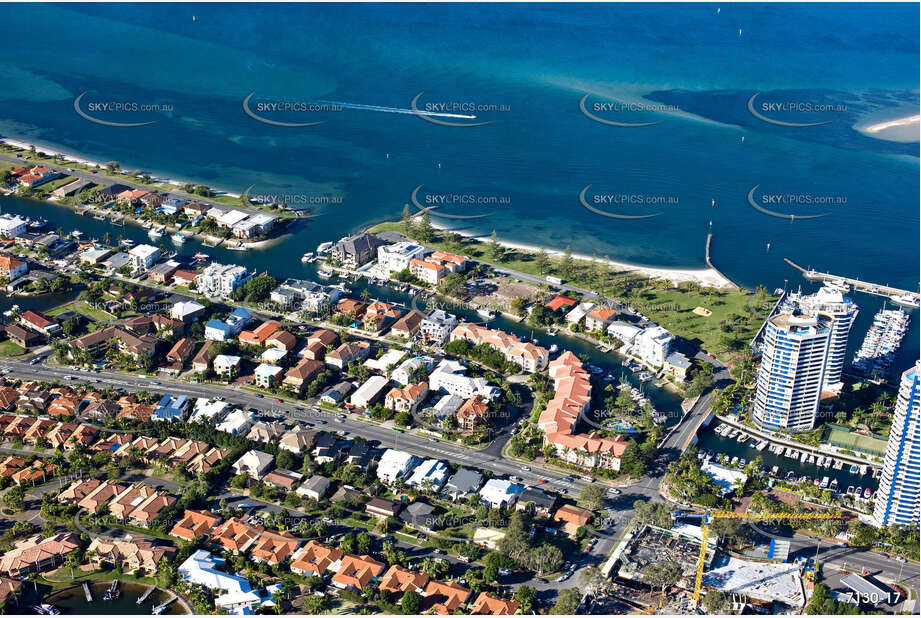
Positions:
{"x": 314, "y": 488}
{"x": 195, "y": 524}
{"x": 226, "y": 366}
{"x": 573, "y": 518}
{"x": 356, "y": 572}
{"x": 369, "y": 392}
{"x": 299, "y": 376}
{"x": 132, "y": 556}
{"x": 348, "y": 353}
{"x": 528, "y": 356}
{"x": 430, "y": 474}
{"x": 472, "y": 414}
{"x": 408, "y": 325}
{"x": 297, "y": 440}
{"x": 462, "y": 484}
{"x": 274, "y": 547}
{"x": 394, "y": 465}
{"x": 253, "y": 464}
{"x": 316, "y": 559}
{"x": 489, "y": 604}
{"x": 437, "y": 325}
{"x": 266, "y": 375}
{"x": 285, "y": 479}
{"x": 37, "y": 554}
{"x": 397, "y": 581}
{"x": 419, "y": 516}
{"x": 383, "y": 508}
{"x": 500, "y": 492}
{"x": 354, "y": 251}
{"x": 12, "y": 268}
{"x": 444, "y": 597}
{"x": 406, "y": 399}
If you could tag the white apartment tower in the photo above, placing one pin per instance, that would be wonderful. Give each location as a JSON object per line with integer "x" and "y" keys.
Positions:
{"x": 899, "y": 493}
{"x": 792, "y": 372}
{"x": 842, "y": 312}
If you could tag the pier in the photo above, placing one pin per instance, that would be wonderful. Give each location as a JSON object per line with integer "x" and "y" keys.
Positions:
{"x": 857, "y": 284}
{"x": 159, "y": 609}
{"x": 86, "y": 591}
{"x": 146, "y": 594}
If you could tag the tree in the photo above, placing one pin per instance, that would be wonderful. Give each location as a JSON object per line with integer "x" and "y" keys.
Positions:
{"x": 567, "y": 602}
{"x": 425, "y": 232}
{"x": 526, "y": 596}
{"x": 716, "y": 602}
{"x": 14, "y": 498}
{"x": 663, "y": 574}
{"x": 567, "y": 267}
{"x": 496, "y": 251}
{"x": 541, "y": 261}
{"x": 411, "y": 602}
{"x": 592, "y": 496}
{"x": 407, "y": 220}
{"x": 655, "y": 513}
{"x": 735, "y": 531}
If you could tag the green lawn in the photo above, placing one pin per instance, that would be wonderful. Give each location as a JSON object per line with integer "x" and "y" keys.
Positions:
{"x": 8, "y": 348}
{"x": 83, "y": 308}
{"x": 48, "y": 187}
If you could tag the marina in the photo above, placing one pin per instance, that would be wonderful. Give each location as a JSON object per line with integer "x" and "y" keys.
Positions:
{"x": 876, "y": 355}
{"x": 722, "y": 442}
{"x": 133, "y": 599}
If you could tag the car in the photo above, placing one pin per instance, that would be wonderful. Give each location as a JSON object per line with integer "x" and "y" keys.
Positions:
{"x": 437, "y": 552}
{"x": 320, "y": 422}
{"x": 155, "y": 383}
{"x": 257, "y": 395}
{"x": 900, "y": 559}
{"x": 504, "y": 572}
{"x": 711, "y": 356}
{"x": 279, "y": 400}
{"x": 433, "y": 440}
{"x": 541, "y": 480}
{"x": 221, "y": 398}
{"x": 614, "y": 491}
{"x": 526, "y": 468}
{"x": 340, "y": 420}
{"x": 563, "y": 577}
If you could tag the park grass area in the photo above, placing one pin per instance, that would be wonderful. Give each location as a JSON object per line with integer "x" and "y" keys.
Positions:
{"x": 83, "y": 308}
{"x": 9, "y": 349}
{"x": 673, "y": 309}
{"x": 50, "y": 186}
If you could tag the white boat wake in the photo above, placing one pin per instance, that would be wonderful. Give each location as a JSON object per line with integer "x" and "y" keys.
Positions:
{"x": 397, "y": 110}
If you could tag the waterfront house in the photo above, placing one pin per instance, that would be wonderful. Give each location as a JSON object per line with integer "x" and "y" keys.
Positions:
{"x": 143, "y": 257}
{"x": 653, "y": 345}
{"x": 232, "y": 592}
{"x": 599, "y": 318}
{"x": 136, "y": 557}
{"x": 530, "y": 357}
{"x": 12, "y": 268}
{"x": 578, "y": 313}
{"x": 40, "y": 322}
{"x": 356, "y": 250}
{"x": 37, "y": 554}
{"x": 221, "y": 280}
{"x": 396, "y": 257}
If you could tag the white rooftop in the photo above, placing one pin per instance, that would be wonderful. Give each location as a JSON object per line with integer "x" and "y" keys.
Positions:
{"x": 764, "y": 581}
{"x": 391, "y": 357}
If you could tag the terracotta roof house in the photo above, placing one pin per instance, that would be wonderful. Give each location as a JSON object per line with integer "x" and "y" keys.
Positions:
{"x": 559, "y": 301}
{"x": 573, "y": 518}
{"x": 356, "y": 572}
{"x": 299, "y": 376}
{"x": 38, "y": 554}
{"x": 599, "y": 318}
{"x": 444, "y": 597}
{"x": 258, "y": 335}
{"x": 235, "y": 536}
{"x": 38, "y": 472}
{"x": 146, "y": 514}
{"x": 129, "y": 499}
{"x": 398, "y": 580}
{"x": 202, "y": 360}
{"x": 195, "y": 524}
{"x": 351, "y": 306}
{"x": 316, "y": 559}
{"x": 472, "y": 413}
{"x": 406, "y": 399}
{"x": 181, "y": 351}
{"x": 8, "y": 397}
{"x": 274, "y": 547}
{"x": 490, "y": 604}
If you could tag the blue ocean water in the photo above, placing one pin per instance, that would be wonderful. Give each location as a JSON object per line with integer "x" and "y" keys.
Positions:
{"x": 532, "y": 64}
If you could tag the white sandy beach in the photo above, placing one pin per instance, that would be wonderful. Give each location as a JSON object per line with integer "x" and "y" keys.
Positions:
{"x": 70, "y": 157}
{"x": 905, "y": 129}
{"x": 709, "y": 277}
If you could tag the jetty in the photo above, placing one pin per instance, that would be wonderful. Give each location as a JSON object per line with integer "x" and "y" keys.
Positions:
{"x": 86, "y": 591}
{"x": 861, "y": 286}
{"x": 159, "y": 609}
{"x": 146, "y": 594}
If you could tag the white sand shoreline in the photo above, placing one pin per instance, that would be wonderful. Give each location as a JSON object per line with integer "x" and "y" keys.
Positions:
{"x": 709, "y": 277}
{"x": 903, "y": 129}
{"x": 71, "y": 157}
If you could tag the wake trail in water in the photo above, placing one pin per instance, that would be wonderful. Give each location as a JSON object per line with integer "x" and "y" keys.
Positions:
{"x": 397, "y": 110}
